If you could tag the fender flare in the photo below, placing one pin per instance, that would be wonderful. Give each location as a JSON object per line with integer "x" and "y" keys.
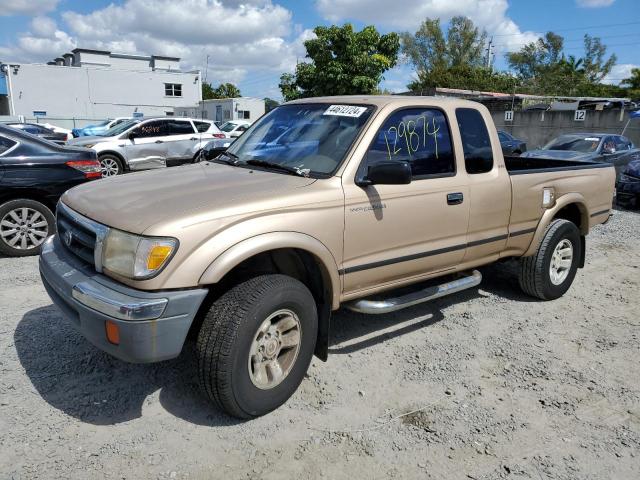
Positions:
{"x": 549, "y": 215}
{"x": 250, "y": 247}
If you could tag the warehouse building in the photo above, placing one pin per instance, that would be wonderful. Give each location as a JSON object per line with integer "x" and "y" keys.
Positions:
{"x": 97, "y": 84}
{"x": 223, "y": 109}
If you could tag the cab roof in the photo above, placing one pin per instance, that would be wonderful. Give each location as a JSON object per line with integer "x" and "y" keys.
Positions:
{"x": 384, "y": 100}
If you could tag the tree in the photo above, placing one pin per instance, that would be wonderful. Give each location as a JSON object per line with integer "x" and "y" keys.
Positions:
{"x": 595, "y": 66}
{"x": 428, "y": 49}
{"x": 288, "y": 87}
{"x": 227, "y": 90}
{"x": 537, "y": 58}
{"x": 464, "y": 77}
{"x": 208, "y": 92}
{"x": 632, "y": 83}
{"x": 270, "y": 104}
{"x": 343, "y": 62}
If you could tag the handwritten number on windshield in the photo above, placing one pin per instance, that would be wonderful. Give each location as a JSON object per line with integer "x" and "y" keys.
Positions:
{"x": 405, "y": 132}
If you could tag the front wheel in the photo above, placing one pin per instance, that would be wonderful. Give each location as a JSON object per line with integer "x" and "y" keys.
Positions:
{"x": 110, "y": 165}
{"x": 549, "y": 273}
{"x": 24, "y": 226}
{"x": 256, "y": 343}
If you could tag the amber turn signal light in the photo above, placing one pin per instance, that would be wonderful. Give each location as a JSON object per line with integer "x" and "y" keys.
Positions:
{"x": 113, "y": 332}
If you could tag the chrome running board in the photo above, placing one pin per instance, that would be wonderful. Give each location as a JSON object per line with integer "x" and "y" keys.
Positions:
{"x": 391, "y": 304}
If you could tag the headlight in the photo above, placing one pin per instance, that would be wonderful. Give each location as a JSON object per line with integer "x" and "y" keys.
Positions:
{"x": 134, "y": 256}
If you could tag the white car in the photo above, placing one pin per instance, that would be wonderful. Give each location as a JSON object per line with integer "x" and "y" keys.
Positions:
{"x": 150, "y": 143}
{"x": 57, "y": 129}
{"x": 234, "y": 128}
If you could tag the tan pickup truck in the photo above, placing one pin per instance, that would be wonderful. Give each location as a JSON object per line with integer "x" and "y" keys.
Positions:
{"x": 323, "y": 203}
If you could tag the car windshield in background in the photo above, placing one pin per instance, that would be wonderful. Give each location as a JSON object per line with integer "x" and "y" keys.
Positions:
{"x": 576, "y": 144}
{"x": 228, "y": 127}
{"x": 120, "y": 128}
{"x": 305, "y": 138}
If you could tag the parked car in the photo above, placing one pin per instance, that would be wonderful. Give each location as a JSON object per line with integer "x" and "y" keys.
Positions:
{"x": 98, "y": 129}
{"x": 510, "y": 144}
{"x": 616, "y": 150}
{"x": 34, "y": 173}
{"x": 40, "y": 131}
{"x": 252, "y": 252}
{"x": 57, "y": 129}
{"x": 151, "y": 143}
{"x": 235, "y": 128}
{"x": 628, "y": 186}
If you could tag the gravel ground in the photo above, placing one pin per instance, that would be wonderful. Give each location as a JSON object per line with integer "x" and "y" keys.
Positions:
{"x": 487, "y": 384}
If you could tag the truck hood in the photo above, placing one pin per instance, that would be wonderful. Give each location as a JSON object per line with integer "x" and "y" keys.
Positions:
{"x": 137, "y": 201}
{"x": 561, "y": 155}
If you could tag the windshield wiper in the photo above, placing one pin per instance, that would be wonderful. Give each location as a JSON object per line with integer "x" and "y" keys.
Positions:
{"x": 276, "y": 166}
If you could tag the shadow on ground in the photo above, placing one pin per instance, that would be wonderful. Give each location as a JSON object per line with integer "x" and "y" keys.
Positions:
{"x": 85, "y": 383}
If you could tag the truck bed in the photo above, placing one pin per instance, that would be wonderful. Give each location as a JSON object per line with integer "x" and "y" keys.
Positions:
{"x": 523, "y": 165}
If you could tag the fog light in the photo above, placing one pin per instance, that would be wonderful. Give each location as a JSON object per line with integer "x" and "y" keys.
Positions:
{"x": 113, "y": 332}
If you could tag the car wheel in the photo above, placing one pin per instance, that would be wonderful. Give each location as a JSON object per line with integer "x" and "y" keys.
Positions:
{"x": 256, "y": 343}
{"x": 198, "y": 157}
{"x": 549, "y": 273}
{"x": 24, "y": 226}
{"x": 110, "y": 165}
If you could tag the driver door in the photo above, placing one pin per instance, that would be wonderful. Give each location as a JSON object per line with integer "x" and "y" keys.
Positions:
{"x": 146, "y": 148}
{"x": 395, "y": 232}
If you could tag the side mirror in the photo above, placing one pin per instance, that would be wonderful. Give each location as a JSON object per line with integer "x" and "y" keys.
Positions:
{"x": 387, "y": 173}
{"x": 132, "y": 136}
{"x": 608, "y": 150}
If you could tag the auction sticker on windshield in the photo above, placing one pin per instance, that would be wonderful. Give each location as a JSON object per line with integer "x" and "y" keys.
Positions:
{"x": 345, "y": 110}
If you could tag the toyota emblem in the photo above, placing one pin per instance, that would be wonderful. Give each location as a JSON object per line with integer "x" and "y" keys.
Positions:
{"x": 68, "y": 238}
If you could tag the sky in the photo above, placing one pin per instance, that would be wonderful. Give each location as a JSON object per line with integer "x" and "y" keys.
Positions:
{"x": 252, "y": 42}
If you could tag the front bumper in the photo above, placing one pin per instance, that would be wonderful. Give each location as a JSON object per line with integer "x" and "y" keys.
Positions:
{"x": 152, "y": 325}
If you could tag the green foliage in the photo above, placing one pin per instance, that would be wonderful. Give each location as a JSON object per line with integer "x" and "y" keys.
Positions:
{"x": 633, "y": 83}
{"x": 224, "y": 90}
{"x": 464, "y": 77}
{"x": 270, "y": 104}
{"x": 343, "y": 62}
{"x": 543, "y": 68}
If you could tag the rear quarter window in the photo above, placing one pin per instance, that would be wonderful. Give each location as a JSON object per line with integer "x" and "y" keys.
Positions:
{"x": 5, "y": 144}
{"x": 476, "y": 144}
{"x": 202, "y": 126}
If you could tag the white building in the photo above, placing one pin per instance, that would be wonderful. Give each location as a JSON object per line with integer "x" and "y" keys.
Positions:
{"x": 239, "y": 108}
{"x": 95, "y": 84}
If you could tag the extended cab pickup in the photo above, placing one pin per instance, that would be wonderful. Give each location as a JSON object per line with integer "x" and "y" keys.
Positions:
{"x": 322, "y": 203}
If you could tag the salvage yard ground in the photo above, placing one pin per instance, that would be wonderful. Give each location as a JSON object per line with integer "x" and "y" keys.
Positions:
{"x": 485, "y": 384}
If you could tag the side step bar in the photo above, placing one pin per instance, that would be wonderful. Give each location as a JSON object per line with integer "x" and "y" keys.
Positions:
{"x": 391, "y": 304}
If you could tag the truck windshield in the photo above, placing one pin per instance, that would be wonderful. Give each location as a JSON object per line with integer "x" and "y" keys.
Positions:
{"x": 576, "y": 144}
{"x": 311, "y": 138}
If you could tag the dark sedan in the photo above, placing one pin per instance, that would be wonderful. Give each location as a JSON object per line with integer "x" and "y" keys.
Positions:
{"x": 34, "y": 173}
{"x": 591, "y": 147}
{"x": 40, "y": 131}
{"x": 510, "y": 144}
{"x": 628, "y": 186}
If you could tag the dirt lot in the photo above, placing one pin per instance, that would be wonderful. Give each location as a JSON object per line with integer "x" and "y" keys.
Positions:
{"x": 486, "y": 384}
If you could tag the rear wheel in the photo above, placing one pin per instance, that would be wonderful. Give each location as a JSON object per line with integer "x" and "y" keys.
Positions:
{"x": 256, "y": 343}
{"x": 110, "y": 165}
{"x": 24, "y": 226}
{"x": 549, "y": 273}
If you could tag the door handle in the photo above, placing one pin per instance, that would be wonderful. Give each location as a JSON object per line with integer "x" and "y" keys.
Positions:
{"x": 193, "y": 138}
{"x": 158, "y": 141}
{"x": 455, "y": 198}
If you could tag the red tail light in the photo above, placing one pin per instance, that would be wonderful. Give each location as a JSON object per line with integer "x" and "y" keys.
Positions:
{"x": 90, "y": 168}
{"x": 218, "y": 135}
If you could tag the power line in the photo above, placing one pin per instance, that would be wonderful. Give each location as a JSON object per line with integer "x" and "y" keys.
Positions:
{"x": 574, "y": 29}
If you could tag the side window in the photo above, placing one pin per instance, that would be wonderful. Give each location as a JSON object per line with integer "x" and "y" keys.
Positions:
{"x": 155, "y": 128}
{"x": 622, "y": 143}
{"x": 503, "y": 137}
{"x": 202, "y": 126}
{"x": 419, "y": 136}
{"x": 478, "y": 154}
{"x": 179, "y": 127}
{"x": 5, "y": 144}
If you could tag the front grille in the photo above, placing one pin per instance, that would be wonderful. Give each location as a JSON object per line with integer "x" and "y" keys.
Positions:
{"x": 79, "y": 235}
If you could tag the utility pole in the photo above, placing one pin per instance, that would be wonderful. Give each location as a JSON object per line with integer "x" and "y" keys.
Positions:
{"x": 489, "y": 53}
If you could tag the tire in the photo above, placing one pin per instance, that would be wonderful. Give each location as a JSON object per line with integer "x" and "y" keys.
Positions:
{"x": 230, "y": 332}
{"x": 110, "y": 165}
{"x": 24, "y": 225}
{"x": 197, "y": 157}
{"x": 536, "y": 275}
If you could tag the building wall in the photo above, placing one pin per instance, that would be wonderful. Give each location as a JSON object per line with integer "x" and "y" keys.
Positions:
{"x": 228, "y": 108}
{"x": 539, "y": 127}
{"x": 98, "y": 92}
